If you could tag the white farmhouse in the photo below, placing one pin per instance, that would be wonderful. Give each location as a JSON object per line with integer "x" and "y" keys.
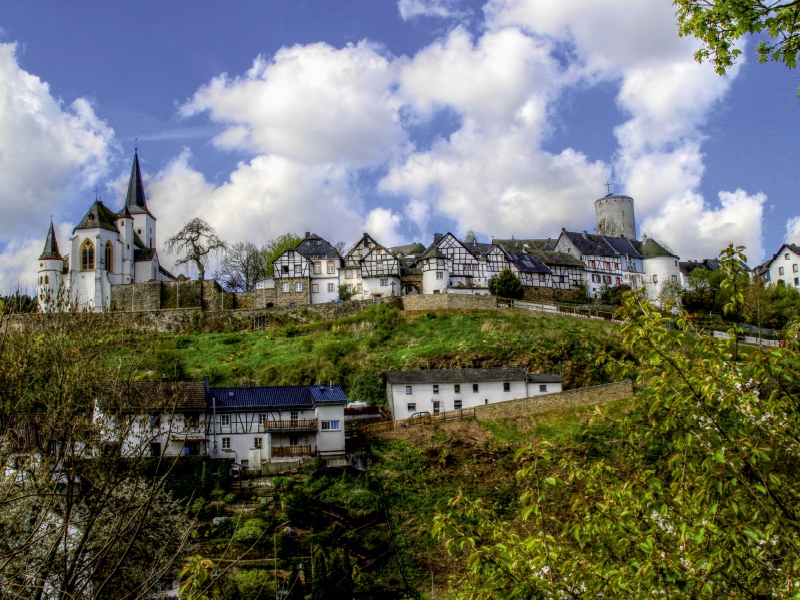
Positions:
{"x": 783, "y": 267}
{"x": 660, "y": 266}
{"x": 438, "y": 390}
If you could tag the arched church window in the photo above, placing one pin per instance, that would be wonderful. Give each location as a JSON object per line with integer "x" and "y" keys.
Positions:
{"x": 47, "y": 279}
{"x": 40, "y": 280}
{"x": 87, "y": 256}
{"x": 109, "y": 257}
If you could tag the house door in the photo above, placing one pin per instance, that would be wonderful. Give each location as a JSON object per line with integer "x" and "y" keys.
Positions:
{"x": 436, "y": 405}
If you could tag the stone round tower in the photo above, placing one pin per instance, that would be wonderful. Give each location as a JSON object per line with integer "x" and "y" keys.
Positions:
{"x": 51, "y": 269}
{"x": 615, "y": 216}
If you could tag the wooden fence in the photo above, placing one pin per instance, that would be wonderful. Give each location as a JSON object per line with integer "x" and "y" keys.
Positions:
{"x": 290, "y": 451}
{"x": 440, "y": 417}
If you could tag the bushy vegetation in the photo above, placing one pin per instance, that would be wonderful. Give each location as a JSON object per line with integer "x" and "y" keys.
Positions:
{"x": 354, "y": 351}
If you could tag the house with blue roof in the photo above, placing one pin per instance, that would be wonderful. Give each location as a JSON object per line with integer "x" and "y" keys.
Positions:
{"x": 246, "y": 425}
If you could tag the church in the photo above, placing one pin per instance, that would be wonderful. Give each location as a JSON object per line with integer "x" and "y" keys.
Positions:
{"x": 106, "y": 248}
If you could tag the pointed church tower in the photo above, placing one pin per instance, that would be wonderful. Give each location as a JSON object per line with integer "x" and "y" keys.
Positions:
{"x": 144, "y": 223}
{"x": 51, "y": 271}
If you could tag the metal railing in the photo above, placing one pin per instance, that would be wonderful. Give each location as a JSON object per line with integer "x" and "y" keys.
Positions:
{"x": 284, "y": 424}
{"x": 290, "y": 451}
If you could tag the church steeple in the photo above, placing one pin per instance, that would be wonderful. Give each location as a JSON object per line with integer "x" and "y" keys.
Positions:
{"x": 50, "y": 251}
{"x": 135, "y": 201}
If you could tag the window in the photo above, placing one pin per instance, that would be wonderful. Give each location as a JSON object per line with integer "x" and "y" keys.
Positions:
{"x": 298, "y": 287}
{"x": 298, "y": 270}
{"x": 109, "y": 257}
{"x": 457, "y": 404}
{"x": 435, "y": 389}
{"x": 606, "y": 278}
{"x": 285, "y": 269}
{"x": 655, "y": 278}
{"x": 408, "y": 390}
{"x": 542, "y": 278}
{"x": 155, "y": 421}
{"x": 379, "y": 265}
{"x": 294, "y": 440}
{"x": 87, "y": 256}
{"x": 542, "y": 387}
{"x": 262, "y": 419}
{"x": 592, "y": 264}
{"x": 617, "y": 280}
{"x": 474, "y": 388}
{"x": 258, "y": 442}
{"x": 226, "y": 443}
{"x": 349, "y": 287}
{"x": 506, "y": 386}
{"x": 797, "y": 280}
{"x": 315, "y": 288}
{"x": 384, "y": 282}
{"x": 412, "y": 407}
{"x": 780, "y": 271}
{"x": 330, "y": 426}
{"x": 436, "y": 406}
{"x": 285, "y": 287}
{"x": 331, "y": 267}
{"x": 155, "y": 448}
{"x": 595, "y": 278}
{"x": 457, "y": 388}
{"x": 225, "y": 420}
{"x": 348, "y": 274}
{"x": 47, "y": 279}
{"x": 439, "y": 275}
{"x": 317, "y": 268}
{"x": 330, "y": 287}
{"x": 794, "y": 268}
{"x": 786, "y": 256}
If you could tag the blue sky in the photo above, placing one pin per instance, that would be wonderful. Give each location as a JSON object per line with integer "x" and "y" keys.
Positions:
{"x": 401, "y": 118}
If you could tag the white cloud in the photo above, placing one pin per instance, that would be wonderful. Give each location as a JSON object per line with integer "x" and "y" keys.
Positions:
{"x": 793, "y": 231}
{"x": 47, "y": 152}
{"x": 410, "y": 9}
{"x": 696, "y": 230}
{"x": 382, "y": 224}
{"x": 312, "y": 104}
{"x": 19, "y": 264}
{"x": 265, "y": 198}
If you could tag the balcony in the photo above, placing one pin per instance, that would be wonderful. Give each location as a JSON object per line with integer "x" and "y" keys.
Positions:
{"x": 289, "y": 425}
{"x": 290, "y": 451}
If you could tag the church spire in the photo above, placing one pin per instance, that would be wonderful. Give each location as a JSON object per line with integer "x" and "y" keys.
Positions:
{"x": 50, "y": 251}
{"x": 135, "y": 200}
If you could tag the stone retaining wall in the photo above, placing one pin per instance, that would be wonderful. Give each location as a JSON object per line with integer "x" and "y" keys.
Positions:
{"x": 596, "y": 394}
{"x": 448, "y": 301}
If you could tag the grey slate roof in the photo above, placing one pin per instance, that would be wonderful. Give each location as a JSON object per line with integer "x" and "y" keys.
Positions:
{"x": 455, "y": 375}
{"x": 562, "y": 259}
{"x": 135, "y": 200}
{"x": 313, "y": 245}
{"x": 138, "y": 396}
{"x": 432, "y": 252}
{"x": 99, "y": 217}
{"x": 143, "y": 254}
{"x": 527, "y": 263}
{"x": 592, "y": 244}
{"x": 544, "y": 378}
{"x": 650, "y": 248}
{"x": 415, "y": 248}
{"x": 50, "y": 246}
{"x": 478, "y": 249}
{"x": 623, "y": 246}
{"x": 299, "y": 397}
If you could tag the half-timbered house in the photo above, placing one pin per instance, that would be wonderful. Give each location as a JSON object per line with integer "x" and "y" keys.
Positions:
{"x": 466, "y": 267}
{"x": 380, "y": 273}
{"x": 308, "y": 273}
{"x": 247, "y": 425}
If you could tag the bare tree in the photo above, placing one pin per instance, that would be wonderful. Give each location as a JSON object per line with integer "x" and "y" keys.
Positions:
{"x": 242, "y": 264}
{"x": 470, "y": 237}
{"x": 197, "y": 242}
{"x": 609, "y": 227}
{"x": 342, "y": 247}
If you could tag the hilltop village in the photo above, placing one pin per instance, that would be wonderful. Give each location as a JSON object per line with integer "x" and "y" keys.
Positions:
{"x": 110, "y": 249}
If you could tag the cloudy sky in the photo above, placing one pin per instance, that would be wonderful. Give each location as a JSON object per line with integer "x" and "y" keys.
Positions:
{"x": 401, "y": 118}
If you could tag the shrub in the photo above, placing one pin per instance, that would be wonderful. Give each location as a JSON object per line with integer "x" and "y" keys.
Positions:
{"x": 255, "y": 523}
{"x": 247, "y": 535}
{"x": 229, "y": 498}
{"x": 506, "y": 285}
{"x": 252, "y": 584}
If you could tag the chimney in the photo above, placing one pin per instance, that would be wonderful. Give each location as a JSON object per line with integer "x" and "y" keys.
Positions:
{"x": 366, "y": 234}
{"x": 437, "y": 237}
{"x": 308, "y": 234}
{"x": 644, "y": 238}
{"x": 563, "y": 230}
{"x": 585, "y": 235}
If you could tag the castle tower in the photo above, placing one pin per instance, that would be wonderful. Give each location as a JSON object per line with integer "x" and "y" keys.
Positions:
{"x": 615, "y": 216}
{"x": 51, "y": 271}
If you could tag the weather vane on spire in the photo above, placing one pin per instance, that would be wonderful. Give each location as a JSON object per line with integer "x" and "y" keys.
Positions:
{"x": 608, "y": 186}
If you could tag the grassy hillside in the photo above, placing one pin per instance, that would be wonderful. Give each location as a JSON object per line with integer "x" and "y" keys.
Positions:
{"x": 382, "y": 338}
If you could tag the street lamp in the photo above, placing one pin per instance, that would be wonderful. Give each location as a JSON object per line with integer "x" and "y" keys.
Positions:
{"x": 275, "y": 556}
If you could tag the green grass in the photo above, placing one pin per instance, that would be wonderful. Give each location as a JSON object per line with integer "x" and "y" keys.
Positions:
{"x": 382, "y": 339}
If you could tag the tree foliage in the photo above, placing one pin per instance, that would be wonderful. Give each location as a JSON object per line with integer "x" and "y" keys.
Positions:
{"x": 274, "y": 248}
{"x": 344, "y": 294}
{"x": 506, "y": 285}
{"x": 702, "y": 499}
{"x": 719, "y": 24}
{"x": 195, "y": 244}
{"x": 368, "y": 388}
{"x": 242, "y": 264}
